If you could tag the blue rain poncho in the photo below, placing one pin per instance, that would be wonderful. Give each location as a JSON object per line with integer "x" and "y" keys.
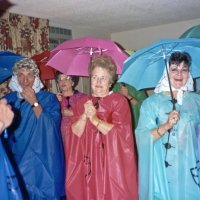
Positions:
{"x": 37, "y": 147}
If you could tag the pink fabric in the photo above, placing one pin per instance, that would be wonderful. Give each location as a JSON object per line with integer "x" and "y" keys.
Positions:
{"x": 102, "y": 167}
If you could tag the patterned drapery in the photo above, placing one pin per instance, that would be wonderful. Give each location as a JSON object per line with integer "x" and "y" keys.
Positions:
{"x": 24, "y": 35}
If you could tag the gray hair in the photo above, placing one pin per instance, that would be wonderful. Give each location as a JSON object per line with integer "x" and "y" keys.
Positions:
{"x": 28, "y": 64}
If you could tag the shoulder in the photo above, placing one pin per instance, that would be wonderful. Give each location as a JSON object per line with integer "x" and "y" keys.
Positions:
{"x": 194, "y": 96}
{"x": 155, "y": 98}
{"x": 116, "y": 98}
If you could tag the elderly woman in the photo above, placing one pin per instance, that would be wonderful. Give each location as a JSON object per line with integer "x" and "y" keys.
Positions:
{"x": 67, "y": 96}
{"x": 167, "y": 139}
{"x": 35, "y": 139}
{"x": 101, "y": 162}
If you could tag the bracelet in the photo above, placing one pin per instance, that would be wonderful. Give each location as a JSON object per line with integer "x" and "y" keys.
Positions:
{"x": 159, "y": 132}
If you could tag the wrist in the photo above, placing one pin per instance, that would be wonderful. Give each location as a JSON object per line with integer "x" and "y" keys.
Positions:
{"x": 98, "y": 123}
{"x": 83, "y": 117}
{"x": 167, "y": 126}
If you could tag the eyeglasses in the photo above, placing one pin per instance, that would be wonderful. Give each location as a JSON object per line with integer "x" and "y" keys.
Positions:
{"x": 65, "y": 78}
{"x": 177, "y": 71}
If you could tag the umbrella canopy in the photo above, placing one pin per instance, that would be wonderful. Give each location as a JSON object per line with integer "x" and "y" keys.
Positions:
{"x": 193, "y": 32}
{"x": 46, "y": 72}
{"x": 74, "y": 56}
{"x": 144, "y": 68}
{"x": 7, "y": 61}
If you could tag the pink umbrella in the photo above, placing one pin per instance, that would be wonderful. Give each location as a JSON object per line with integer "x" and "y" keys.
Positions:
{"x": 72, "y": 57}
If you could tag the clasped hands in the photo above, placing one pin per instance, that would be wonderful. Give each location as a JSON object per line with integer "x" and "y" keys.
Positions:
{"x": 90, "y": 111}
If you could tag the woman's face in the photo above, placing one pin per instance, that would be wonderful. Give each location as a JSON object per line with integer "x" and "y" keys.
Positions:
{"x": 65, "y": 82}
{"x": 178, "y": 74}
{"x": 25, "y": 77}
{"x": 100, "y": 82}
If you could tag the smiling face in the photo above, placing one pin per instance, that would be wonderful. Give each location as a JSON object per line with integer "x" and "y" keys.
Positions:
{"x": 100, "y": 82}
{"x": 179, "y": 74}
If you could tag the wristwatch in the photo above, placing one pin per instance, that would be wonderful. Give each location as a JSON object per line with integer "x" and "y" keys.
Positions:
{"x": 36, "y": 104}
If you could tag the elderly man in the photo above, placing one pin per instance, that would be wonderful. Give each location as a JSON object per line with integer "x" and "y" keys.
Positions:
{"x": 34, "y": 136}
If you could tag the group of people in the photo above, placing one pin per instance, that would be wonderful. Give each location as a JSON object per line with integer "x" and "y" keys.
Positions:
{"x": 117, "y": 143}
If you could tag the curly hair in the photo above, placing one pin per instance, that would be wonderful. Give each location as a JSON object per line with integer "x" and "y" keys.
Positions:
{"x": 28, "y": 64}
{"x": 105, "y": 62}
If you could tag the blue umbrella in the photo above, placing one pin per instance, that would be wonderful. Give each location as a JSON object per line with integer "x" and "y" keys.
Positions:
{"x": 144, "y": 68}
{"x": 7, "y": 61}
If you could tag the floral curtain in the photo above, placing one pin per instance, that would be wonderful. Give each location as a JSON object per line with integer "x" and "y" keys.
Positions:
{"x": 24, "y": 35}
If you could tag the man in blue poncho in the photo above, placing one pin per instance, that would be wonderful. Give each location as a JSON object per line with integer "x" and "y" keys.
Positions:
{"x": 34, "y": 136}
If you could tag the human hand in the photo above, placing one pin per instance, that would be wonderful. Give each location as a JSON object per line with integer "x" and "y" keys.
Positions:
{"x": 67, "y": 112}
{"x": 124, "y": 91}
{"x": 28, "y": 94}
{"x": 90, "y": 109}
{"x": 6, "y": 115}
{"x": 173, "y": 118}
{"x": 59, "y": 96}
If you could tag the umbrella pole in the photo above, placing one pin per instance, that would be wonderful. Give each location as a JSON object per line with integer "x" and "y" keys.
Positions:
{"x": 170, "y": 87}
{"x": 173, "y": 100}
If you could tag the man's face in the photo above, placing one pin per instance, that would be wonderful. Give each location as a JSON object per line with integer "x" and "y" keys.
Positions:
{"x": 25, "y": 77}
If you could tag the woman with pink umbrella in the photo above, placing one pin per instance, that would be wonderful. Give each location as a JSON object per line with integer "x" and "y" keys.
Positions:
{"x": 101, "y": 162}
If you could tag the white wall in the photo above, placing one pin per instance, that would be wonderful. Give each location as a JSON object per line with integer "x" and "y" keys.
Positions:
{"x": 136, "y": 39}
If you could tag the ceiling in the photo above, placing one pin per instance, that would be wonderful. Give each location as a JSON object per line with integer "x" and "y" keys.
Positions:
{"x": 109, "y": 15}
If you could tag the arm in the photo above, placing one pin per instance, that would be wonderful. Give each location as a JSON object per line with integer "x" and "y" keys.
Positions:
{"x": 102, "y": 126}
{"x": 6, "y": 115}
{"x": 163, "y": 128}
{"x": 124, "y": 91}
{"x": 78, "y": 127}
{"x": 90, "y": 113}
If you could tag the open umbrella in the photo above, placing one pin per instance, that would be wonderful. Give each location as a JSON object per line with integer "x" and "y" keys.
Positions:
{"x": 193, "y": 32}
{"x": 144, "y": 68}
{"x": 74, "y": 56}
{"x": 7, "y": 61}
{"x": 46, "y": 72}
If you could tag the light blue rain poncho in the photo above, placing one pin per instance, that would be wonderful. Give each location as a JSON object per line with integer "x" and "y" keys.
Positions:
{"x": 181, "y": 179}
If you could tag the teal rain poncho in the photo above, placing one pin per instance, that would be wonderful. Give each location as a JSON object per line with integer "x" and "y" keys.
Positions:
{"x": 180, "y": 180}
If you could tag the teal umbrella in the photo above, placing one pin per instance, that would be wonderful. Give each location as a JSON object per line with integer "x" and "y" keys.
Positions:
{"x": 144, "y": 68}
{"x": 193, "y": 32}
